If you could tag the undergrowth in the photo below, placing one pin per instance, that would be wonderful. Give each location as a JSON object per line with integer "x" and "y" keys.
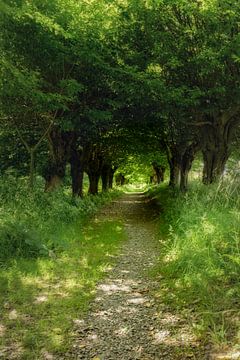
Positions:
{"x": 54, "y": 258}
{"x": 42, "y": 300}
{"x": 30, "y": 221}
{"x": 200, "y": 258}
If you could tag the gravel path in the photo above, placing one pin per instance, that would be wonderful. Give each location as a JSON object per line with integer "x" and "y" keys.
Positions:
{"x": 126, "y": 321}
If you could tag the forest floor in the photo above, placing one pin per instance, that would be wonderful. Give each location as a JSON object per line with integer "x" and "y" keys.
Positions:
{"x": 127, "y": 319}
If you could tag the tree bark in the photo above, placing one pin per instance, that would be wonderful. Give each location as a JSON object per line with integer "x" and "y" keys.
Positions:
{"x": 53, "y": 183}
{"x": 215, "y": 152}
{"x": 110, "y": 179}
{"x": 94, "y": 169}
{"x": 105, "y": 175}
{"x": 77, "y": 172}
{"x": 174, "y": 161}
{"x": 60, "y": 146}
{"x": 174, "y": 174}
{"x": 159, "y": 172}
{"x": 112, "y": 171}
{"x": 214, "y": 164}
{"x": 186, "y": 164}
{"x": 217, "y": 136}
{"x": 93, "y": 183}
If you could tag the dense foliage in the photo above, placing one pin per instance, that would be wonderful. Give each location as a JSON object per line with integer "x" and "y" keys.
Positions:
{"x": 132, "y": 89}
{"x": 31, "y": 224}
{"x": 91, "y": 83}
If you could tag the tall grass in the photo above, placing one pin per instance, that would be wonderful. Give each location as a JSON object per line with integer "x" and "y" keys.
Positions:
{"x": 31, "y": 221}
{"x": 51, "y": 259}
{"x": 200, "y": 259}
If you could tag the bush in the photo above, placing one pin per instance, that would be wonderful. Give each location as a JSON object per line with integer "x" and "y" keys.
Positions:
{"x": 31, "y": 221}
{"x": 18, "y": 240}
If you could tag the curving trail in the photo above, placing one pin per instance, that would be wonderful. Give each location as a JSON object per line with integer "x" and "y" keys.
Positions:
{"x": 126, "y": 321}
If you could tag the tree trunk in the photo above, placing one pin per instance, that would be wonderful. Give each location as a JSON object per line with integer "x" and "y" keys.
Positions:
{"x": 120, "y": 179}
{"x": 60, "y": 145}
{"x": 159, "y": 172}
{"x": 112, "y": 171}
{"x": 186, "y": 164}
{"x": 214, "y": 164}
{"x": 93, "y": 183}
{"x": 123, "y": 180}
{"x": 77, "y": 171}
{"x": 77, "y": 178}
{"x": 158, "y": 177}
{"x": 105, "y": 175}
{"x": 215, "y": 152}
{"x": 217, "y": 136}
{"x": 174, "y": 174}
{"x": 174, "y": 167}
{"x": 53, "y": 183}
{"x": 77, "y": 183}
{"x": 110, "y": 178}
{"x": 174, "y": 161}
{"x": 32, "y": 169}
{"x": 162, "y": 172}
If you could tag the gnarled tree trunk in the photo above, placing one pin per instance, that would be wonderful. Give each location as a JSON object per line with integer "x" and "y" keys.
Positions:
{"x": 60, "y": 145}
{"x": 215, "y": 152}
{"x": 217, "y": 134}
{"x": 174, "y": 160}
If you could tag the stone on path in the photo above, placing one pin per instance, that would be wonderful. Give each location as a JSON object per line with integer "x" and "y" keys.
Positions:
{"x": 125, "y": 322}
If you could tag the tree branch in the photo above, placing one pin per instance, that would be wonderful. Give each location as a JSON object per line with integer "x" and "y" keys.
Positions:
{"x": 29, "y": 149}
{"x": 43, "y": 136}
{"x": 201, "y": 123}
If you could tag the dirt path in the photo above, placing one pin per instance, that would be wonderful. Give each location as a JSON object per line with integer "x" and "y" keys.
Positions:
{"x": 126, "y": 321}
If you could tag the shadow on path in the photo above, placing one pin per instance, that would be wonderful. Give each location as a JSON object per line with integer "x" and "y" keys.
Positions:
{"x": 126, "y": 321}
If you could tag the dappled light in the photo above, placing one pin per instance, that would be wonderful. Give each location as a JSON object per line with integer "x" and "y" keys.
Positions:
{"x": 53, "y": 290}
{"x": 125, "y": 315}
{"x": 112, "y": 288}
{"x": 119, "y": 179}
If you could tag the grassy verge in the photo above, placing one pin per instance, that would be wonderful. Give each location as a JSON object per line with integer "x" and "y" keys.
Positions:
{"x": 200, "y": 259}
{"x": 40, "y": 299}
{"x": 30, "y": 221}
{"x": 52, "y": 257}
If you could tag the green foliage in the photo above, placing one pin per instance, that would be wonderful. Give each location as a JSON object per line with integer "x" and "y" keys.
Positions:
{"x": 30, "y": 222}
{"x": 138, "y": 168}
{"x": 200, "y": 255}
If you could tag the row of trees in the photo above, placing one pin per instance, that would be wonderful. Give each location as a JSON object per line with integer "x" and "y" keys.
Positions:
{"x": 192, "y": 52}
{"x": 88, "y": 83}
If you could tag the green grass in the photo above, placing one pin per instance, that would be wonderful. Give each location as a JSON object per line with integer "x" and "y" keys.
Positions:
{"x": 199, "y": 264}
{"x": 31, "y": 220}
{"x": 52, "y": 255}
{"x": 41, "y": 298}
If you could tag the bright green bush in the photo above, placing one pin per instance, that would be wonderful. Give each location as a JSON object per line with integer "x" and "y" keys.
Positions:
{"x": 31, "y": 221}
{"x": 200, "y": 258}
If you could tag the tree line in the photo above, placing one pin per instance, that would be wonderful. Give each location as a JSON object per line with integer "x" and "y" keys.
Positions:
{"x": 88, "y": 83}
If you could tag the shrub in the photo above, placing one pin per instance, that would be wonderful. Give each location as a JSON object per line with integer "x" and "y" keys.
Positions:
{"x": 31, "y": 222}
